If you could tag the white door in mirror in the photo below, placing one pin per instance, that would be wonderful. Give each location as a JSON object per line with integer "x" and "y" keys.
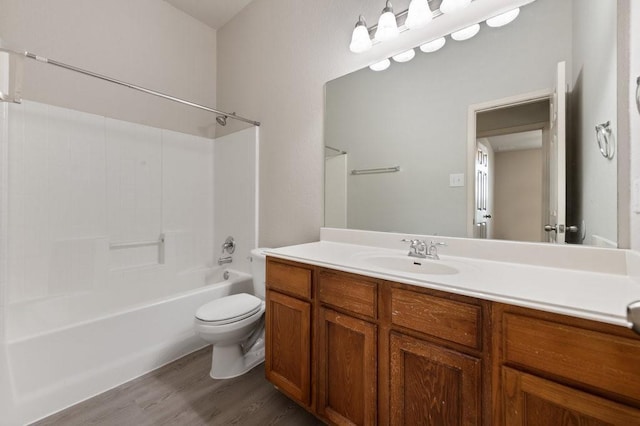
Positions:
{"x": 557, "y": 168}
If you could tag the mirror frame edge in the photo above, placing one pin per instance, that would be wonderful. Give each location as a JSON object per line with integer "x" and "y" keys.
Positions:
{"x": 623, "y": 137}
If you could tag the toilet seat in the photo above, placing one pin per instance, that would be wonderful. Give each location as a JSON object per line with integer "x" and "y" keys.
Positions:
{"x": 229, "y": 309}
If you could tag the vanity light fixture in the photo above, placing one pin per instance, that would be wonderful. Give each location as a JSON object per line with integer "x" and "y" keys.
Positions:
{"x": 449, "y": 6}
{"x": 360, "y": 41}
{"x": 433, "y": 45}
{"x": 419, "y": 14}
{"x": 387, "y": 24}
{"x": 503, "y": 18}
{"x": 380, "y": 66}
{"x": 466, "y": 33}
{"x": 405, "y": 56}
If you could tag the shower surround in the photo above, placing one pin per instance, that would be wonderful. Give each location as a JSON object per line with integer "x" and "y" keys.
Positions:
{"x": 78, "y": 189}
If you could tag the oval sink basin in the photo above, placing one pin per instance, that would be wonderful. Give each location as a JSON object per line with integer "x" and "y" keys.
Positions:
{"x": 411, "y": 265}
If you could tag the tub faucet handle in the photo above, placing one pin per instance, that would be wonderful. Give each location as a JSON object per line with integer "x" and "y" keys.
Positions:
{"x": 229, "y": 246}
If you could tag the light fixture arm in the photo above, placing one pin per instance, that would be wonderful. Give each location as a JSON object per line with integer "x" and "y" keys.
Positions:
{"x": 362, "y": 22}
{"x": 388, "y": 7}
{"x": 401, "y": 18}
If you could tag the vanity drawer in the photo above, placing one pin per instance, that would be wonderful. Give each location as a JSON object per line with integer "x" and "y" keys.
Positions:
{"x": 348, "y": 291}
{"x": 289, "y": 277}
{"x": 590, "y": 357}
{"x": 446, "y": 319}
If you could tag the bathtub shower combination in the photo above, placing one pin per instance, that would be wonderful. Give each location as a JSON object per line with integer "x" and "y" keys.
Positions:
{"x": 110, "y": 233}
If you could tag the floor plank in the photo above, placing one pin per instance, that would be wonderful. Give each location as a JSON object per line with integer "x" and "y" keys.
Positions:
{"x": 182, "y": 393}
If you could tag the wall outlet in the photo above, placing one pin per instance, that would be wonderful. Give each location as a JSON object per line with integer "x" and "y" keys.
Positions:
{"x": 456, "y": 179}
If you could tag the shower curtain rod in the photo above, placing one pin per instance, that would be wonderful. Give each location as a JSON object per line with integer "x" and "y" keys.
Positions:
{"x": 129, "y": 85}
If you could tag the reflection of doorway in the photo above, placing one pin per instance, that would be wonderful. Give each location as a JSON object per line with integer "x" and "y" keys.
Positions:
{"x": 516, "y": 115}
{"x": 515, "y": 134}
{"x": 518, "y": 196}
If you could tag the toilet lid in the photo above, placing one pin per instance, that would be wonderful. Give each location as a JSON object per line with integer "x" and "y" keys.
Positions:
{"x": 229, "y": 309}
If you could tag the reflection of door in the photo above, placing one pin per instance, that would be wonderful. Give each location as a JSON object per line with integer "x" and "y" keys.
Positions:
{"x": 557, "y": 167}
{"x": 483, "y": 193}
{"x": 518, "y": 114}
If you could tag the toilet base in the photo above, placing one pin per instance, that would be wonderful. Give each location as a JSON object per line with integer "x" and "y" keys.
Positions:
{"x": 228, "y": 361}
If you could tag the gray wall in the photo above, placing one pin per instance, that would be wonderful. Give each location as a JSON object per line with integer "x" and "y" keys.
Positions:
{"x": 415, "y": 115}
{"x": 593, "y": 102}
{"x": 145, "y": 42}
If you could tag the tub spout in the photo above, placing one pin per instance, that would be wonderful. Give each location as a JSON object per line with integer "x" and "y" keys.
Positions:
{"x": 225, "y": 259}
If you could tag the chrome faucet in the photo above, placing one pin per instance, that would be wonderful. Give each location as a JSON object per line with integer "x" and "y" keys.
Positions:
{"x": 417, "y": 248}
{"x": 432, "y": 250}
{"x": 422, "y": 250}
{"x": 229, "y": 247}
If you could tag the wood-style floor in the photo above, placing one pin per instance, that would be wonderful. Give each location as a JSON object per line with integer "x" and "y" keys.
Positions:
{"x": 182, "y": 393}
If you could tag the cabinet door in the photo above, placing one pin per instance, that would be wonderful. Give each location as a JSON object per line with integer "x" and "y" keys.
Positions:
{"x": 347, "y": 369}
{"x": 530, "y": 400}
{"x": 432, "y": 385}
{"x": 288, "y": 345}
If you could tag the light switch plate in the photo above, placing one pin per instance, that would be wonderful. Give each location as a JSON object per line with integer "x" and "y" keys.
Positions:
{"x": 456, "y": 179}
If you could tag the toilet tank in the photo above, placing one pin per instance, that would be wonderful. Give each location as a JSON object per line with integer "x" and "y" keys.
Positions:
{"x": 258, "y": 271}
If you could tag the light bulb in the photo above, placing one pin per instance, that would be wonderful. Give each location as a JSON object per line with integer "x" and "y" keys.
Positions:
{"x": 387, "y": 25}
{"x": 360, "y": 41}
{"x": 380, "y": 66}
{"x": 419, "y": 14}
{"x": 504, "y": 18}
{"x": 449, "y": 6}
{"x": 405, "y": 56}
{"x": 466, "y": 33}
{"x": 433, "y": 45}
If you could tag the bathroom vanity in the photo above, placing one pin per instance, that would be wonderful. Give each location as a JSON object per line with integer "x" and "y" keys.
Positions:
{"x": 359, "y": 343}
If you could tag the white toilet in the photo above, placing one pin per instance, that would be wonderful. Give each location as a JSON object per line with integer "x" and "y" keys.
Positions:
{"x": 235, "y": 326}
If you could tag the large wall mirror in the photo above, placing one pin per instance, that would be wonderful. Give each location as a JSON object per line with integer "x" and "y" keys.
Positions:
{"x": 461, "y": 142}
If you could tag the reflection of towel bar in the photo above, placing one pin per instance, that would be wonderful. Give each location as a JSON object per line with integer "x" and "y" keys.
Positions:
{"x": 604, "y": 139}
{"x": 159, "y": 242}
{"x": 373, "y": 171}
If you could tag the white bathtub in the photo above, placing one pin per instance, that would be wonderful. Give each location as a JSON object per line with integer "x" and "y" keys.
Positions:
{"x": 52, "y": 366}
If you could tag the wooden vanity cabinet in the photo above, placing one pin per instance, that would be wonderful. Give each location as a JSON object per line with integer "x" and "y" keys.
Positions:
{"x": 533, "y": 400}
{"x": 347, "y": 369}
{"x": 347, "y": 348}
{"x": 437, "y": 362}
{"x": 553, "y": 369}
{"x": 355, "y": 350}
{"x": 288, "y": 329}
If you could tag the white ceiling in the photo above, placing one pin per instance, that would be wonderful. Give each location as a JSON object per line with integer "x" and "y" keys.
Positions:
{"x": 214, "y": 13}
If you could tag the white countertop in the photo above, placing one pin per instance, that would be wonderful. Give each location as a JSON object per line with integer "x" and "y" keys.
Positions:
{"x": 584, "y": 294}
